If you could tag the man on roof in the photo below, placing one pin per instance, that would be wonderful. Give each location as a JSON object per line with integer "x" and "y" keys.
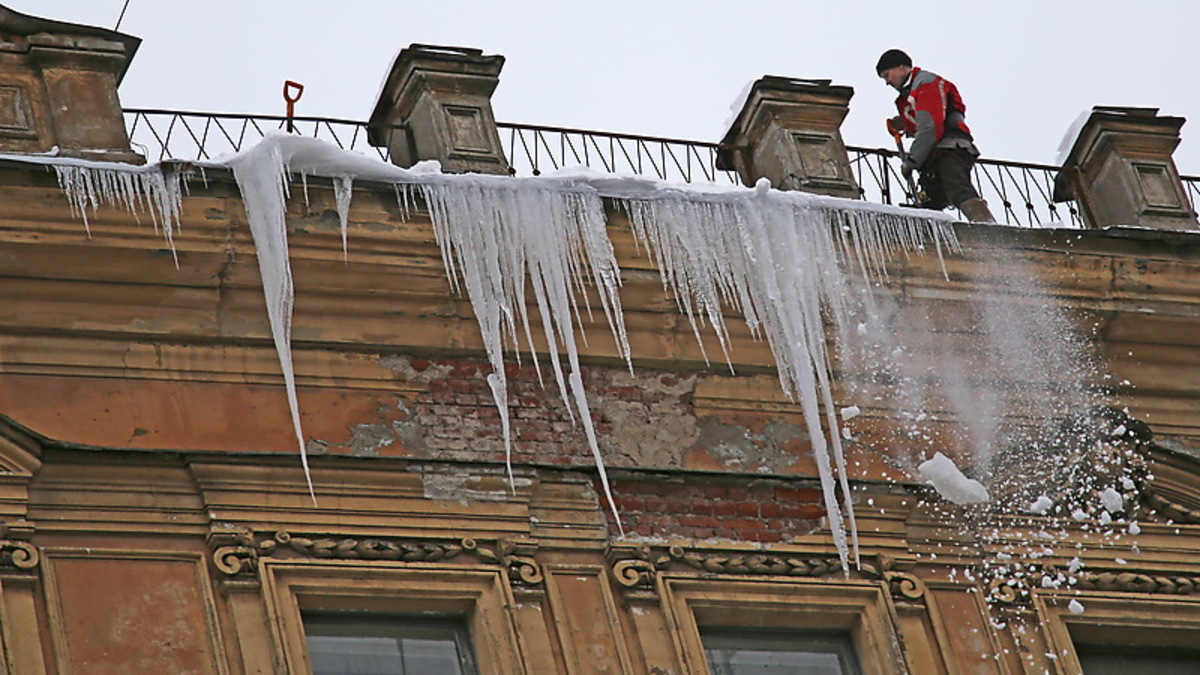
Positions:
{"x": 933, "y": 114}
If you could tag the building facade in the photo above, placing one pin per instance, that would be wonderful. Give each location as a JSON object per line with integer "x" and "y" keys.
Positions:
{"x": 157, "y": 517}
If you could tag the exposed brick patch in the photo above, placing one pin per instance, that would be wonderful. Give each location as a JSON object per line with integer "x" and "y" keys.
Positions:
{"x": 708, "y": 507}
{"x": 644, "y": 419}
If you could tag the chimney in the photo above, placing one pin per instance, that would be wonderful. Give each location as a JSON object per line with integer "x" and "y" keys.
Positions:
{"x": 436, "y": 104}
{"x": 58, "y": 89}
{"x": 789, "y": 131}
{"x": 1120, "y": 171}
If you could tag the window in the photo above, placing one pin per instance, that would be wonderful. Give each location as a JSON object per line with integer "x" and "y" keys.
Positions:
{"x": 345, "y": 643}
{"x": 1122, "y": 632}
{"x": 1110, "y": 660}
{"x": 738, "y": 651}
{"x": 761, "y": 627}
{"x": 326, "y": 615}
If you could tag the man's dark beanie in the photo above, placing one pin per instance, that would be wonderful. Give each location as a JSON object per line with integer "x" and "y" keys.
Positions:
{"x": 890, "y": 59}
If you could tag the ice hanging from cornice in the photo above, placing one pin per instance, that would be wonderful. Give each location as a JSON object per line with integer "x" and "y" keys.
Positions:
{"x": 88, "y": 185}
{"x": 779, "y": 258}
{"x": 262, "y": 178}
{"x": 497, "y": 233}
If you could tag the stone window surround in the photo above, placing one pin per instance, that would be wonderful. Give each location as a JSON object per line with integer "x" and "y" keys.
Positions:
{"x": 1155, "y": 622}
{"x": 861, "y": 608}
{"x": 481, "y": 596}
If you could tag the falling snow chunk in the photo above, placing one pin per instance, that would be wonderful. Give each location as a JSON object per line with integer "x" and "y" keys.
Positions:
{"x": 941, "y": 472}
{"x": 1112, "y": 500}
{"x": 1079, "y": 514}
{"x": 850, "y": 412}
{"x": 1119, "y": 431}
{"x": 1134, "y": 528}
{"x": 1041, "y": 505}
{"x": 1076, "y": 607}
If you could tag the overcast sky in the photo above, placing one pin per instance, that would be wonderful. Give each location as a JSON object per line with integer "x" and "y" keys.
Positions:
{"x": 1026, "y": 68}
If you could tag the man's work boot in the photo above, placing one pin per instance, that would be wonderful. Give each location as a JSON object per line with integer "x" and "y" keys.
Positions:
{"x": 976, "y": 211}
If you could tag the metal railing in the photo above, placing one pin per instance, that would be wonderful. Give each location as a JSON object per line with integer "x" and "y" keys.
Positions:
{"x": 1019, "y": 193}
{"x": 1191, "y": 189}
{"x": 202, "y": 136}
{"x": 533, "y": 150}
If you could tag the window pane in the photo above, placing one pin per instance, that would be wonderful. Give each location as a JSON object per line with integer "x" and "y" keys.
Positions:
{"x": 737, "y": 651}
{"x": 375, "y": 644}
{"x": 1164, "y": 661}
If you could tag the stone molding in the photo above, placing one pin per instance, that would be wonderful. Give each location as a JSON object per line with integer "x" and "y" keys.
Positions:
{"x": 237, "y": 554}
{"x": 1016, "y": 592}
{"x": 635, "y": 568}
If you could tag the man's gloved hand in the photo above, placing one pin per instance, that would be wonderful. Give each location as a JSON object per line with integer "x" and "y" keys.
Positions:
{"x": 908, "y": 166}
{"x": 896, "y": 125}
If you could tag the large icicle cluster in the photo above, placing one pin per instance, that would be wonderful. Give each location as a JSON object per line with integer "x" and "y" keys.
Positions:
{"x": 497, "y": 233}
{"x": 91, "y": 185}
{"x": 778, "y": 258}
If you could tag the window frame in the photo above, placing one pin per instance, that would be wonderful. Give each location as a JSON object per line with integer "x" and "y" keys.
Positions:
{"x": 457, "y": 628}
{"x": 837, "y": 643}
{"x": 1158, "y": 621}
{"x": 860, "y": 608}
{"x": 480, "y": 596}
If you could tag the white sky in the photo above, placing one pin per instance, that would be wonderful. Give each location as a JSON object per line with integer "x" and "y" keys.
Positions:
{"x": 1026, "y": 68}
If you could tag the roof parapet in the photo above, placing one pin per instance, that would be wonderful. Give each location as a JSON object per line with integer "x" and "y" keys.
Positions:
{"x": 58, "y": 88}
{"x": 436, "y": 104}
{"x": 1121, "y": 172}
{"x": 789, "y": 131}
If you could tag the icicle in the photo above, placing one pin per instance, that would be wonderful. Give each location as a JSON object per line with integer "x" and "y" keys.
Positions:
{"x": 496, "y": 235}
{"x": 778, "y": 258}
{"x": 261, "y": 176}
{"x": 88, "y": 187}
{"x": 341, "y": 191}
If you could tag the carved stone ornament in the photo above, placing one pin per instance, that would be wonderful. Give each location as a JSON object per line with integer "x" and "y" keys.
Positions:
{"x": 1008, "y": 592}
{"x": 1135, "y": 582}
{"x": 757, "y": 563}
{"x": 636, "y": 569}
{"x": 1177, "y": 512}
{"x": 240, "y": 556}
{"x": 15, "y": 550}
{"x": 1014, "y": 592}
{"x": 903, "y": 586}
{"x": 18, "y": 554}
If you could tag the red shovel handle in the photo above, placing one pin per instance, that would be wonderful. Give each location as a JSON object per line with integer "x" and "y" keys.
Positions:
{"x": 289, "y": 87}
{"x": 292, "y": 91}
